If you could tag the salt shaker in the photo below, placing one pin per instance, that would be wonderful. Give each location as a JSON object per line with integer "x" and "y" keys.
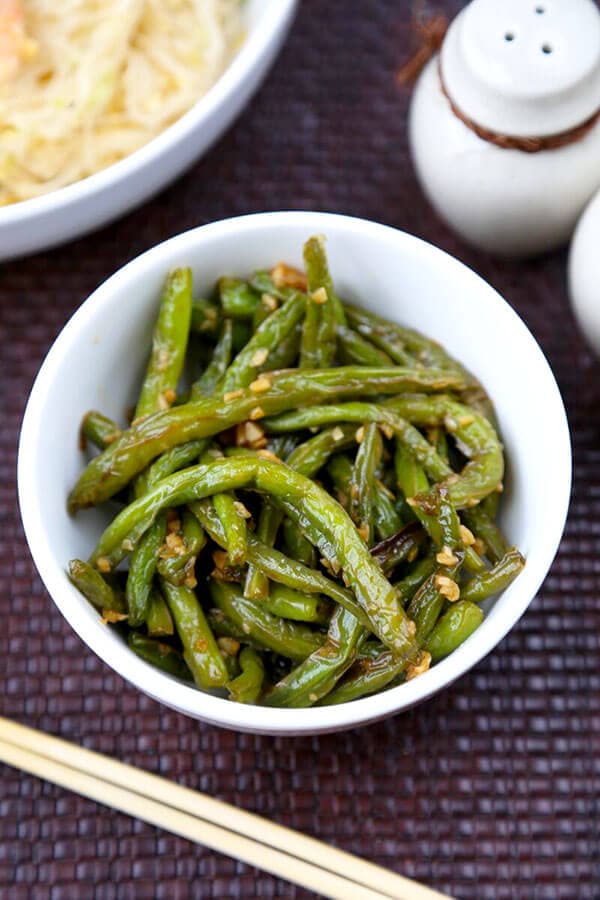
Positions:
{"x": 505, "y": 122}
{"x": 584, "y": 273}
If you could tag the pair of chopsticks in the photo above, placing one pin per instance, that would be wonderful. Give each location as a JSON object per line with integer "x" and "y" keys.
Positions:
{"x": 281, "y": 851}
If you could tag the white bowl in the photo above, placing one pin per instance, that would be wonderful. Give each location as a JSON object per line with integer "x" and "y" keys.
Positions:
{"x": 72, "y": 211}
{"x": 97, "y": 361}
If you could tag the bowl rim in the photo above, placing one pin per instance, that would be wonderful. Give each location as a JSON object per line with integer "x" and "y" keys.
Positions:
{"x": 188, "y": 699}
{"x": 255, "y": 46}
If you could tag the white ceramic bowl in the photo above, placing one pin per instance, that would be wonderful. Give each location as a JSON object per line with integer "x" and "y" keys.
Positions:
{"x": 72, "y": 211}
{"x": 97, "y": 361}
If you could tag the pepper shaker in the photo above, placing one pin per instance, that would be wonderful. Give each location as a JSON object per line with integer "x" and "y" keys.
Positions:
{"x": 505, "y": 122}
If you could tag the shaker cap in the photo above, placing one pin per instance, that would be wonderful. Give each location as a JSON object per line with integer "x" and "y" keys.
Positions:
{"x": 524, "y": 68}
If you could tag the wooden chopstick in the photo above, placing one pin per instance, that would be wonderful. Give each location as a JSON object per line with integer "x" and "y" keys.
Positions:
{"x": 274, "y": 848}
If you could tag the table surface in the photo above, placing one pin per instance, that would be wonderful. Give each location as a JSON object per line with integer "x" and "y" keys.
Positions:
{"x": 490, "y": 790}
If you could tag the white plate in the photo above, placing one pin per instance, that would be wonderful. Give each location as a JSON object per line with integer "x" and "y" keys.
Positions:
{"x": 72, "y": 211}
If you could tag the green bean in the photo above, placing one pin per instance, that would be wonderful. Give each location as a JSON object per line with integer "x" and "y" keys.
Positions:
{"x": 318, "y": 275}
{"x": 98, "y": 429}
{"x": 200, "y": 650}
{"x": 94, "y": 587}
{"x": 169, "y": 343}
{"x": 309, "y": 344}
{"x": 368, "y": 676}
{"x": 256, "y": 586}
{"x": 160, "y": 655}
{"x": 399, "y": 547}
{"x": 455, "y": 626}
{"x": 299, "y": 606}
{"x": 409, "y": 585}
{"x": 355, "y": 350}
{"x": 297, "y": 545}
{"x": 159, "y": 621}
{"x": 269, "y": 335}
{"x": 410, "y": 475}
{"x": 494, "y": 580}
{"x": 112, "y": 469}
{"x": 381, "y": 336}
{"x": 262, "y": 282}
{"x": 427, "y": 351}
{"x": 170, "y": 461}
{"x": 303, "y": 500}
{"x": 142, "y": 567}
{"x": 371, "y": 675}
{"x": 238, "y": 299}
{"x": 474, "y": 435}
{"x": 246, "y": 688}
{"x": 387, "y": 520}
{"x": 205, "y": 316}
{"x": 177, "y": 567}
{"x": 206, "y": 385}
{"x": 285, "y": 353}
{"x": 291, "y": 639}
{"x": 327, "y": 334}
{"x": 280, "y": 568}
{"x": 231, "y": 513}
{"x": 312, "y": 679}
{"x": 362, "y": 482}
{"x": 223, "y": 627}
{"x": 425, "y": 606}
{"x": 317, "y": 416}
{"x": 496, "y": 545}
{"x": 307, "y": 459}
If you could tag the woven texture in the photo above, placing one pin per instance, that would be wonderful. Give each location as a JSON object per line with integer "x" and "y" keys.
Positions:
{"x": 489, "y": 790}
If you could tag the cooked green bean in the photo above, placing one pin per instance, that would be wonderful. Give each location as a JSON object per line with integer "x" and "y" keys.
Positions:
{"x": 303, "y": 500}
{"x": 206, "y": 385}
{"x": 158, "y": 654}
{"x": 94, "y": 587}
{"x": 455, "y": 626}
{"x": 317, "y": 675}
{"x": 176, "y": 563}
{"x": 159, "y": 621}
{"x": 246, "y": 688}
{"x": 356, "y": 351}
{"x": 249, "y": 361}
{"x": 495, "y": 544}
{"x": 238, "y": 299}
{"x": 296, "y": 545}
{"x": 231, "y": 513}
{"x": 299, "y": 606}
{"x": 291, "y": 639}
{"x": 399, "y": 547}
{"x": 280, "y": 568}
{"x": 200, "y": 650}
{"x": 169, "y": 343}
{"x": 494, "y": 580}
{"x": 99, "y": 429}
{"x": 142, "y": 567}
{"x": 121, "y": 461}
{"x": 284, "y": 400}
{"x": 362, "y": 481}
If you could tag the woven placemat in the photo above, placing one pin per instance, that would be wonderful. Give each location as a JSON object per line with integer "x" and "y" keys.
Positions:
{"x": 488, "y": 791}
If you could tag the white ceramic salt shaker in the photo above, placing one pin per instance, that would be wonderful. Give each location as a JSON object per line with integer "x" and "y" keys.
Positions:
{"x": 584, "y": 273}
{"x": 512, "y": 77}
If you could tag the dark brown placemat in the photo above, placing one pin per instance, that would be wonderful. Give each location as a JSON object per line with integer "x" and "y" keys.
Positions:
{"x": 488, "y": 791}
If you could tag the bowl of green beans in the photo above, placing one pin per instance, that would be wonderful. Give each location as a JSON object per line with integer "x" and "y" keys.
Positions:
{"x": 293, "y": 472}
